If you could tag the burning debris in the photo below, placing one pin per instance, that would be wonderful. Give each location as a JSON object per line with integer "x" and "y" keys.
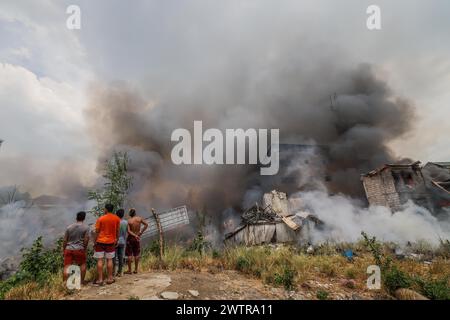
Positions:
{"x": 273, "y": 222}
{"x": 257, "y": 214}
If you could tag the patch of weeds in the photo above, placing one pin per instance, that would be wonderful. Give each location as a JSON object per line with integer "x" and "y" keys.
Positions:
{"x": 350, "y": 273}
{"x": 376, "y": 248}
{"x": 242, "y": 264}
{"x": 435, "y": 289}
{"x": 328, "y": 269}
{"x": 153, "y": 248}
{"x": 199, "y": 244}
{"x": 285, "y": 278}
{"x": 395, "y": 279}
{"x": 322, "y": 295}
{"x": 13, "y": 281}
{"x": 216, "y": 254}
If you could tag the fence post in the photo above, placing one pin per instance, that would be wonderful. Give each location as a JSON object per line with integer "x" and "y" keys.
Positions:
{"x": 161, "y": 235}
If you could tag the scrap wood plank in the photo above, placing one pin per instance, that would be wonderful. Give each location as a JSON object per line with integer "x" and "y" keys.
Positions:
{"x": 290, "y": 223}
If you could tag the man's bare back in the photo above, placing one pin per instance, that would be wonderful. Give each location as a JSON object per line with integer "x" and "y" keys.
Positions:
{"x": 133, "y": 247}
{"x": 134, "y": 226}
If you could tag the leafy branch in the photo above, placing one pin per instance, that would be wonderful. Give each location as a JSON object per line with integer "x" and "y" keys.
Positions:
{"x": 117, "y": 184}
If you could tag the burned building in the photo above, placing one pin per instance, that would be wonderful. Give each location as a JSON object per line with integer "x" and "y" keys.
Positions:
{"x": 394, "y": 184}
{"x": 437, "y": 175}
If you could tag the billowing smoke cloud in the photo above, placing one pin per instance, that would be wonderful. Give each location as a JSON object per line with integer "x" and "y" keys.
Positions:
{"x": 349, "y": 115}
{"x": 231, "y": 66}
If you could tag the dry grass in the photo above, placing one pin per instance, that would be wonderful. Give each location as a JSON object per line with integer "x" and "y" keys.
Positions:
{"x": 277, "y": 266}
{"x": 53, "y": 290}
{"x": 268, "y": 263}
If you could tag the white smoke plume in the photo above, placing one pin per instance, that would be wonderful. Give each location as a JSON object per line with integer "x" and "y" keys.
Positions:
{"x": 345, "y": 218}
{"x": 22, "y": 221}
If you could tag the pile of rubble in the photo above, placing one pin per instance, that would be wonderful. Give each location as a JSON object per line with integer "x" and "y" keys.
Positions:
{"x": 256, "y": 214}
{"x": 273, "y": 222}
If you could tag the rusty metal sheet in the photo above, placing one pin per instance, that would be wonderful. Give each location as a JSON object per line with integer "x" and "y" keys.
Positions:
{"x": 170, "y": 219}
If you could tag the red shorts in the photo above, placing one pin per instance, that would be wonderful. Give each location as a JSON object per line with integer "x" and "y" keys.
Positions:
{"x": 77, "y": 257}
{"x": 133, "y": 248}
{"x": 103, "y": 250}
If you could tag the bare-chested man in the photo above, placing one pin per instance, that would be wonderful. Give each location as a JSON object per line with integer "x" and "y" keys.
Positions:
{"x": 133, "y": 248}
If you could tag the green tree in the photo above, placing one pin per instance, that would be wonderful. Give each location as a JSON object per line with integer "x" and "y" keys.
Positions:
{"x": 116, "y": 186}
{"x": 39, "y": 263}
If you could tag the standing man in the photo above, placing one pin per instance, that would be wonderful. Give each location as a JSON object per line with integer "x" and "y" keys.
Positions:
{"x": 75, "y": 242}
{"x": 133, "y": 249}
{"x": 120, "y": 249}
{"x": 107, "y": 234}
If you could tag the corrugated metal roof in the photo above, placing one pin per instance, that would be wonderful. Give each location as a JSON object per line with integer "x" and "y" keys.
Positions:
{"x": 414, "y": 165}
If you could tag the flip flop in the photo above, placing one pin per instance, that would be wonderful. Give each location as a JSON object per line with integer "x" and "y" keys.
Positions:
{"x": 110, "y": 282}
{"x": 127, "y": 272}
{"x": 100, "y": 284}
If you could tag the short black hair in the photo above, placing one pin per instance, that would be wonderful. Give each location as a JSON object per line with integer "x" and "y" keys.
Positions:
{"x": 81, "y": 216}
{"x": 120, "y": 213}
{"x": 132, "y": 212}
{"x": 109, "y": 207}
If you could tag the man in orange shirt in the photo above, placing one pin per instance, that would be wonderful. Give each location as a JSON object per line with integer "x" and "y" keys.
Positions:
{"x": 107, "y": 231}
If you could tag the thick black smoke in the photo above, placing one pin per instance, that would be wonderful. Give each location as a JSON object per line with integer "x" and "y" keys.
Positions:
{"x": 349, "y": 114}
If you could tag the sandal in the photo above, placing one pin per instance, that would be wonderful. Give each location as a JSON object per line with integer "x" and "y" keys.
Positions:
{"x": 110, "y": 282}
{"x": 127, "y": 272}
{"x": 100, "y": 284}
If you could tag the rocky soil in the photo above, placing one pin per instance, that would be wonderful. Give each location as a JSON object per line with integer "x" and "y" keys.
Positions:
{"x": 188, "y": 285}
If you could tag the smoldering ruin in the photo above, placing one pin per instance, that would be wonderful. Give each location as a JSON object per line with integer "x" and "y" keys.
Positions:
{"x": 335, "y": 126}
{"x": 330, "y": 134}
{"x": 395, "y": 188}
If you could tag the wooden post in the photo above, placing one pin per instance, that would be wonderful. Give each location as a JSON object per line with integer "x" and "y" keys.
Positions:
{"x": 161, "y": 235}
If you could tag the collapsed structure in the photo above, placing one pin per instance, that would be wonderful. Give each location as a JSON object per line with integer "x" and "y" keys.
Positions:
{"x": 392, "y": 185}
{"x": 273, "y": 222}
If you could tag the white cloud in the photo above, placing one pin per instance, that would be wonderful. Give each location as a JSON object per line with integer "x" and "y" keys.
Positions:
{"x": 38, "y": 114}
{"x": 43, "y": 79}
{"x": 35, "y": 36}
{"x": 43, "y": 129}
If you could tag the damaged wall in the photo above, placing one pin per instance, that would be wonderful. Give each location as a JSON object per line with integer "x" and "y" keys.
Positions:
{"x": 380, "y": 190}
{"x": 393, "y": 185}
{"x": 263, "y": 233}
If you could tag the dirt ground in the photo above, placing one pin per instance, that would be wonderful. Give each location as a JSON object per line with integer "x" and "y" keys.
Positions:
{"x": 224, "y": 285}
